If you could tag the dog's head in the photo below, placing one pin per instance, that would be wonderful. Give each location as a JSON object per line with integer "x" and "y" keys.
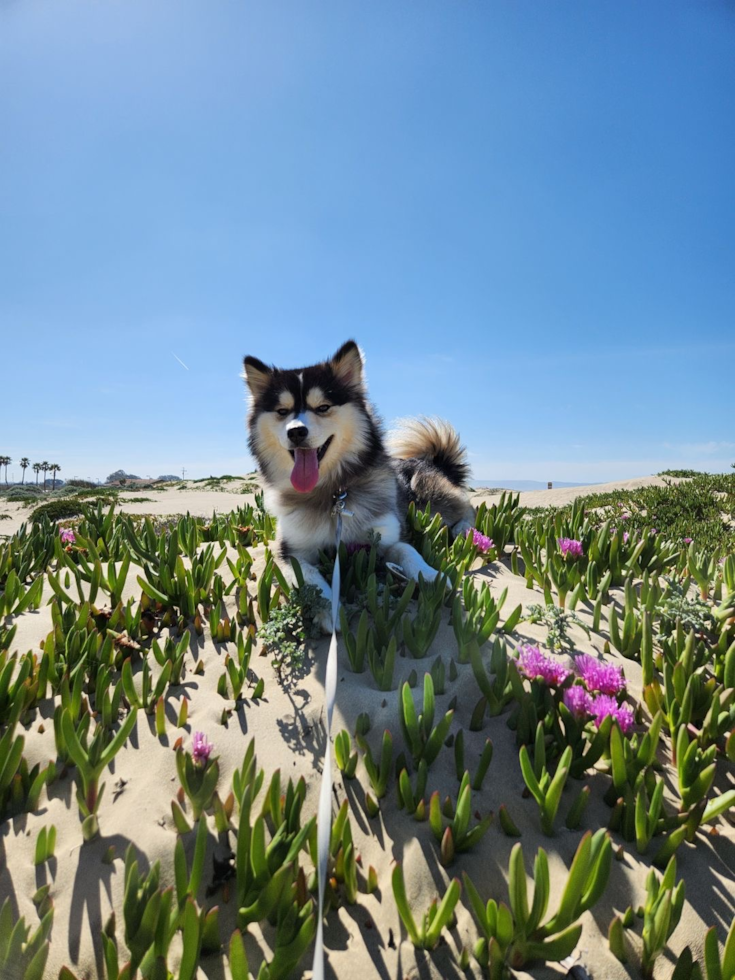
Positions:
{"x": 308, "y": 425}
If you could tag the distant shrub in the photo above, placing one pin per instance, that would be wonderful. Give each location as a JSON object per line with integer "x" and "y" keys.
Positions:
{"x": 22, "y": 495}
{"x": 81, "y": 484}
{"x": 682, "y": 473}
{"x": 120, "y": 476}
{"x": 56, "y": 510}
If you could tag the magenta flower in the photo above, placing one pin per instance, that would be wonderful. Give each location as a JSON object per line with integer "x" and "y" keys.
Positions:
{"x": 534, "y": 665}
{"x": 578, "y": 701}
{"x": 570, "y": 548}
{"x": 352, "y": 547}
{"x": 625, "y": 517}
{"x": 598, "y": 676}
{"x": 688, "y": 540}
{"x": 481, "y": 541}
{"x": 625, "y": 537}
{"x": 67, "y": 535}
{"x": 604, "y": 705}
{"x": 202, "y": 748}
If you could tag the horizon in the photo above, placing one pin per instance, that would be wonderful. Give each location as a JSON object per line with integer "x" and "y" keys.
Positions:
{"x": 522, "y": 213}
{"x": 507, "y": 483}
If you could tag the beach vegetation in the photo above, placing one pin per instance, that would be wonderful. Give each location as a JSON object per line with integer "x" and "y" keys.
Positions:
{"x": 514, "y": 934}
{"x": 438, "y": 916}
{"x": 116, "y": 588}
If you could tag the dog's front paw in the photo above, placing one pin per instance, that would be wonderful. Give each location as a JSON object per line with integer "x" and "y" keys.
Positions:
{"x": 323, "y": 619}
{"x": 428, "y": 573}
{"x": 461, "y": 529}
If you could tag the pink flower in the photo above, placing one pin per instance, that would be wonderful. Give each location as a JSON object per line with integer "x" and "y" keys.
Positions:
{"x": 202, "y": 748}
{"x": 625, "y": 537}
{"x": 534, "y": 664}
{"x": 578, "y": 701}
{"x": 570, "y": 548}
{"x": 67, "y": 535}
{"x": 688, "y": 540}
{"x": 625, "y": 517}
{"x": 598, "y": 676}
{"x": 654, "y": 530}
{"x": 481, "y": 541}
{"x": 352, "y": 547}
{"x": 604, "y": 705}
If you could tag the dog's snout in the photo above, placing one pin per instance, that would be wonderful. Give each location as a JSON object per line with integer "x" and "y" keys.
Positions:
{"x": 297, "y": 434}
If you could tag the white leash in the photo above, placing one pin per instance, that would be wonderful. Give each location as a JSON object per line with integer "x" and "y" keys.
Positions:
{"x": 324, "y": 812}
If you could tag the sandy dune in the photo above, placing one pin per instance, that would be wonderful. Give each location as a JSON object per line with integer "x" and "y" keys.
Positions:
{"x": 365, "y": 940}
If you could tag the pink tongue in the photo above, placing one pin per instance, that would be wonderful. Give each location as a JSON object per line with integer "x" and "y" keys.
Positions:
{"x": 305, "y": 473}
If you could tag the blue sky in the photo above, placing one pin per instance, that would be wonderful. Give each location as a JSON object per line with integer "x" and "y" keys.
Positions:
{"x": 523, "y": 211}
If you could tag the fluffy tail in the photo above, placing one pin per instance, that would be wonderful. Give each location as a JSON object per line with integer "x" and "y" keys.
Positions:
{"x": 433, "y": 440}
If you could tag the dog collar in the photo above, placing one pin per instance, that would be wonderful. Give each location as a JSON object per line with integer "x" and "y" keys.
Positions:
{"x": 338, "y": 503}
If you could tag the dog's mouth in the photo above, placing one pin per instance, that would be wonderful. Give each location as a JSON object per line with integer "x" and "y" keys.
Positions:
{"x": 305, "y": 473}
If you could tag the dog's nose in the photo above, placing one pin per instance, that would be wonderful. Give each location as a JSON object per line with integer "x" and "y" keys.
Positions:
{"x": 297, "y": 434}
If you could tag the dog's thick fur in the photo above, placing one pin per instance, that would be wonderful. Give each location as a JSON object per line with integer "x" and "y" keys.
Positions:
{"x": 313, "y": 433}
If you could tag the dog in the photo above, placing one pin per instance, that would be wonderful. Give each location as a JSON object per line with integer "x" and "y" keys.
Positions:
{"x": 315, "y": 436}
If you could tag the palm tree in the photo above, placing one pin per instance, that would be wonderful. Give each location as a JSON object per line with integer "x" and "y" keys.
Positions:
{"x": 45, "y": 468}
{"x": 36, "y": 470}
{"x": 54, "y": 469}
{"x": 24, "y": 464}
{"x": 4, "y": 460}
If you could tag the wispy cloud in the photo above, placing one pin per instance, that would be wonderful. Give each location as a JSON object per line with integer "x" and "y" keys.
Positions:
{"x": 180, "y": 361}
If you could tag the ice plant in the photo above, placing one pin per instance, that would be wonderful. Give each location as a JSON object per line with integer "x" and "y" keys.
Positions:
{"x": 517, "y": 932}
{"x": 625, "y": 537}
{"x": 197, "y": 774}
{"x": 91, "y": 759}
{"x": 202, "y": 748}
{"x": 688, "y": 540}
{"x": 570, "y": 548}
{"x": 426, "y": 935}
{"x": 67, "y": 535}
{"x": 599, "y": 677}
{"x": 604, "y": 705}
{"x": 578, "y": 701}
{"x": 481, "y": 541}
{"x": 534, "y": 665}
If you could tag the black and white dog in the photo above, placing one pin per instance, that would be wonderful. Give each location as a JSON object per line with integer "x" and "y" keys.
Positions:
{"x": 315, "y": 435}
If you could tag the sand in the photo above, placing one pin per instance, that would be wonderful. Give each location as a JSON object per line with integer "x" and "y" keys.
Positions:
{"x": 565, "y": 495}
{"x": 365, "y": 940}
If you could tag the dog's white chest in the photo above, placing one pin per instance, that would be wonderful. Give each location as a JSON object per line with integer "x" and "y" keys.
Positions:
{"x": 306, "y": 532}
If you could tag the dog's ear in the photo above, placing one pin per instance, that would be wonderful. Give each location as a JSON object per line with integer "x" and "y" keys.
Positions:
{"x": 347, "y": 364}
{"x": 257, "y": 376}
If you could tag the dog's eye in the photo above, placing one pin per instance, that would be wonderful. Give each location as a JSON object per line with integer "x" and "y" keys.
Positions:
{"x": 322, "y": 409}
{"x": 283, "y": 412}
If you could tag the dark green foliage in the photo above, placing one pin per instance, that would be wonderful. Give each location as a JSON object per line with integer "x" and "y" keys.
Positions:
{"x": 291, "y": 624}
{"x": 57, "y": 510}
{"x": 691, "y": 509}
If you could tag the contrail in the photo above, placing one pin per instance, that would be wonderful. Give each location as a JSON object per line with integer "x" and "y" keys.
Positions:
{"x": 180, "y": 361}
